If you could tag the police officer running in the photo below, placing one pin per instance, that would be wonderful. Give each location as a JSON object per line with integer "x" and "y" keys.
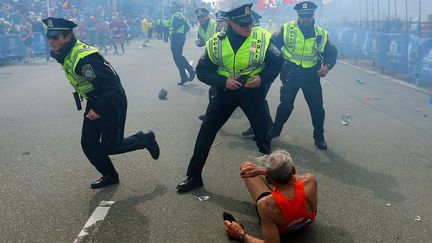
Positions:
{"x": 309, "y": 55}
{"x": 238, "y": 63}
{"x": 95, "y": 80}
{"x": 179, "y": 27}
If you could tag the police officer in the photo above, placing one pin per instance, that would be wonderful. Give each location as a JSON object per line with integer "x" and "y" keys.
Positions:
{"x": 220, "y": 25}
{"x": 207, "y": 27}
{"x": 309, "y": 55}
{"x": 179, "y": 27}
{"x": 238, "y": 63}
{"x": 95, "y": 80}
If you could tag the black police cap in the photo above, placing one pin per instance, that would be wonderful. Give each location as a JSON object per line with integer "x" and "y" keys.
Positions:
{"x": 242, "y": 14}
{"x": 305, "y": 7}
{"x": 220, "y": 15}
{"x": 59, "y": 24}
{"x": 201, "y": 12}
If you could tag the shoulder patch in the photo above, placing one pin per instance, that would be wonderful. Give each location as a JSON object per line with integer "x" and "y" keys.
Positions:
{"x": 274, "y": 50}
{"x": 87, "y": 72}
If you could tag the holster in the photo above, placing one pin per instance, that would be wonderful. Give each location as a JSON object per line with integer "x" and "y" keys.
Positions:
{"x": 77, "y": 100}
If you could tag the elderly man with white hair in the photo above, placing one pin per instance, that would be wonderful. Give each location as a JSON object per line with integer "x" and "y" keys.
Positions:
{"x": 286, "y": 203}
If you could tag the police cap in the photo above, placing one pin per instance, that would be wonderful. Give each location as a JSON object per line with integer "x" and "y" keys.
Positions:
{"x": 201, "y": 12}
{"x": 57, "y": 26}
{"x": 220, "y": 16}
{"x": 305, "y": 7}
{"x": 241, "y": 15}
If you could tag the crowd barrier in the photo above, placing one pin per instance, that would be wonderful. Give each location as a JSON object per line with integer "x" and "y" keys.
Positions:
{"x": 12, "y": 47}
{"x": 393, "y": 52}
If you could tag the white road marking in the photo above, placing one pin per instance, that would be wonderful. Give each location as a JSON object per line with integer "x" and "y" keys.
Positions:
{"x": 98, "y": 215}
{"x": 393, "y": 80}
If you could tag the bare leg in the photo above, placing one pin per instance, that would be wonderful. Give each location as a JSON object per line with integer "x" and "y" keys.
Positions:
{"x": 256, "y": 186}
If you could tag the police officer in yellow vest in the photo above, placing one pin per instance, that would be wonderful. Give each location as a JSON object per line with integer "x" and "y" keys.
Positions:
{"x": 309, "y": 55}
{"x": 179, "y": 26}
{"x": 95, "y": 81}
{"x": 238, "y": 63}
{"x": 207, "y": 26}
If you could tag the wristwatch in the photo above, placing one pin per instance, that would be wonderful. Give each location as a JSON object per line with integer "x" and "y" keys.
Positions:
{"x": 241, "y": 238}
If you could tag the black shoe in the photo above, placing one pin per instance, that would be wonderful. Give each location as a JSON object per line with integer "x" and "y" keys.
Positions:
{"x": 249, "y": 133}
{"x": 321, "y": 144}
{"x": 150, "y": 143}
{"x": 192, "y": 75}
{"x": 104, "y": 181}
{"x": 182, "y": 82}
{"x": 227, "y": 216}
{"x": 189, "y": 184}
{"x": 202, "y": 117}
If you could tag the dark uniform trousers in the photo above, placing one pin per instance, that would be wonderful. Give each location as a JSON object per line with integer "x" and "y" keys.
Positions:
{"x": 181, "y": 62}
{"x": 310, "y": 84}
{"x": 213, "y": 94}
{"x": 251, "y": 101}
{"x": 104, "y": 136}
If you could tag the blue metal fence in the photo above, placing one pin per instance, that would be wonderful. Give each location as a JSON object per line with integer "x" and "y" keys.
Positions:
{"x": 394, "y": 52}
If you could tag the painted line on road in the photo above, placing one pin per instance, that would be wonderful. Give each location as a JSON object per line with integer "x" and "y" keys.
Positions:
{"x": 394, "y": 80}
{"x": 90, "y": 228}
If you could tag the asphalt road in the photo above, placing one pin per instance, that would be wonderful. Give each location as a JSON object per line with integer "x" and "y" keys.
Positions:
{"x": 373, "y": 181}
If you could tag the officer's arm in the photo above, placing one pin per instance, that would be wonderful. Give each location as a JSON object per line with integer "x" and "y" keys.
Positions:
{"x": 206, "y": 72}
{"x": 329, "y": 54}
{"x": 273, "y": 64}
{"x": 106, "y": 83}
{"x": 277, "y": 38}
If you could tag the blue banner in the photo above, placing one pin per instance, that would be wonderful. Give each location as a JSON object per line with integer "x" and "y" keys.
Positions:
{"x": 11, "y": 46}
{"x": 395, "y": 53}
{"x": 425, "y": 75}
{"x": 40, "y": 44}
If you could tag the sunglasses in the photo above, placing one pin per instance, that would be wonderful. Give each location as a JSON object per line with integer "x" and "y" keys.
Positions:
{"x": 304, "y": 16}
{"x": 54, "y": 37}
{"x": 244, "y": 25}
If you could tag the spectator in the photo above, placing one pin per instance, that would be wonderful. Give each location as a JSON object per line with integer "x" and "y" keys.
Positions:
{"x": 145, "y": 26}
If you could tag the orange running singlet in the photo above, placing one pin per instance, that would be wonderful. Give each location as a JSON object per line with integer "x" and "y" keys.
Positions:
{"x": 294, "y": 210}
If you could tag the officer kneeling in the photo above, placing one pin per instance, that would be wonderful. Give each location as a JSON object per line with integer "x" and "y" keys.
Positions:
{"x": 239, "y": 64}
{"x": 94, "y": 80}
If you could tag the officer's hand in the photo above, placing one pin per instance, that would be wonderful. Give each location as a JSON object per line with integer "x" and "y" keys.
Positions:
{"x": 232, "y": 84}
{"x": 322, "y": 72}
{"x": 255, "y": 83}
{"x": 198, "y": 42}
{"x": 91, "y": 115}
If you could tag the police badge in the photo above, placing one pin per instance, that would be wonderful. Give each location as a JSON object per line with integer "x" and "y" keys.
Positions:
{"x": 87, "y": 72}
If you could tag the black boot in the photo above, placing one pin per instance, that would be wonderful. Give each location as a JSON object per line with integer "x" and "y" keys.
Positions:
{"x": 191, "y": 75}
{"x": 104, "y": 181}
{"x": 249, "y": 133}
{"x": 189, "y": 184}
{"x": 321, "y": 144}
{"x": 149, "y": 142}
